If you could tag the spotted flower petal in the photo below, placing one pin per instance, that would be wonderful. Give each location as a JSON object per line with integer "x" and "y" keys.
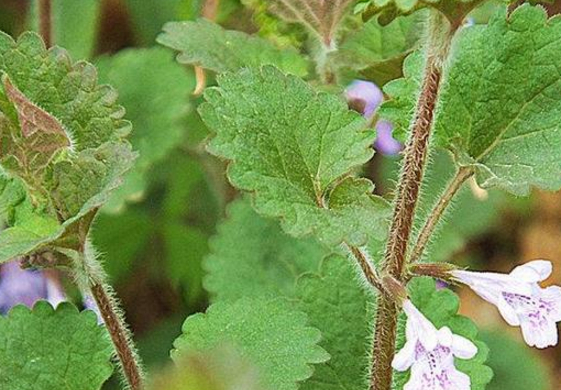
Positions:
{"x": 430, "y": 352}
{"x": 521, "y": 300}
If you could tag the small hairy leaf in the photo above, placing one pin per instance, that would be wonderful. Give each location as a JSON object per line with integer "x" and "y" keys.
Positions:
{"x": 268, "y": 333}
{"x": 51, "y": 349}
{"x": 251, "y": 256}
{"x": 377, "y": 51}
{"x": 342, "y": 310}
{"x": 441, "y": 308}
{"x": 295, "y": 150}
{"x": 322, "y": 17}
{"x": 157, "y": 109}
{"x": 498, "y": 110}
{"x": 208, "y": 45}
{"x": 62, "y": 135}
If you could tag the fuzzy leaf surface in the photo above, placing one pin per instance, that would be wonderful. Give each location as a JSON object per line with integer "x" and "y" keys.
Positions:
{"x": 268, "y": 333}
{"x": 251, "y": 256}
{"x": 50, "y": 104}
{"x": 319, "y": 16}
{"x": 296, "y": 149}
{"x": 51, "y": 349}
{"x": 343, "y": 310}
{"x": 498, "y": 110}
{"x": 208, "y": 45}
{"x": 441, "y": 308}
{"x": 377, "y": 51}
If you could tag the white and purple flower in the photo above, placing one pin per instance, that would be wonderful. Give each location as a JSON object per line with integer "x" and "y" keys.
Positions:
{"x": 521, "y": 300}
{"x": 430, "y": 353}
{"x": 365, "y": 97}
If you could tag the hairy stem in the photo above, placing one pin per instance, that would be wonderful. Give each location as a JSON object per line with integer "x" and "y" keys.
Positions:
{"x": 45, "y": 21}
{"x": 363, "y": 260}
{"x": 120, "y": 335}
{"x": 416, "y": 152}
{"x": 453, "y": 187}
{"x": 91, "y": 277}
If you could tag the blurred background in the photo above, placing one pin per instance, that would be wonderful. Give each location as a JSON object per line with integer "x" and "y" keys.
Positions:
{"x": 155, "y": 232}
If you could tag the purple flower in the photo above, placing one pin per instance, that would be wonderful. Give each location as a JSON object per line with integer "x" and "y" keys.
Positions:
{"x": 19, "y": 286}
{"x": 429, "y": 353}
{"x": 365, "y": 97}
{"x": 521, "y": 300}
{"x": 385, "y": 142}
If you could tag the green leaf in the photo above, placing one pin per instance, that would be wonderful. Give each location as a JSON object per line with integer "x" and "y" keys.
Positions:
{"x": 515, "y": 366}
{"x": 67, "y": 91}
{"x": 44, "y": 96}
{"x": 497, "y": 110}
{"x": 321, "y": 17}
{"x": 509, "y": 111}
{"x": 85, "y": 183}
{"x": 208, "y": 45}
{"x": 32, "y": 139}
{"x": 185, "y": 247}
{"x": 52, "y": 350}
{"x": 75, "y": 25}
{"x": 251, "y": 256}
{"x": 269, "y": 334}
{"x": 337, "y": 303}
{"x": 148, "y": 17}
{"x": 441, "y": 307}
{"x": 156, "y": 109}
{"x": 377, "y": 51}
{"x": 219, "y": 369}
{"x": 122, "y": 238}
{"x": 295, "y": 150}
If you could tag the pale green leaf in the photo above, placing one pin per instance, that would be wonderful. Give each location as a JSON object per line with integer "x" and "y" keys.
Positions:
{"x": 208, "y": 45}
{"x": 269, "y": 334}
{"x": 295, "y": 149}
{"x": 157, "y": 109}
{"x": 218, "y": 369}
{"x": 53, "y": 350}
{"x": 251, "y": 256}
{"x": 338, "y": 304}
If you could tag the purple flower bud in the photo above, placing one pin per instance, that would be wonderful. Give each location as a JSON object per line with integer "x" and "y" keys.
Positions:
{"x": 364, "y": 97}
{"x": 19, "y": 286}
{"x": 385, "y": 143}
